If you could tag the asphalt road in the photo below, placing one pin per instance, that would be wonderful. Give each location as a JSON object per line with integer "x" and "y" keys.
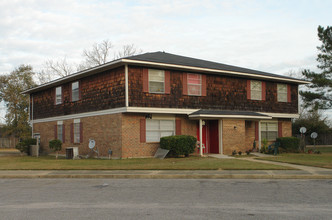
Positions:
{"x": 165, "y": 199}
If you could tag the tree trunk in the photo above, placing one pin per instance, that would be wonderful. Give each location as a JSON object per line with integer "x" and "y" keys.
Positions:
{"x": 56, "y": 157}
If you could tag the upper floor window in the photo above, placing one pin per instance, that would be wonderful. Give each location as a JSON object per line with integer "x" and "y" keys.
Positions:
{"x": 155, "y": 129}
{"x": 282, "y": 92}
{"x": 194, "y": 84}
{"x": 75, "y": 93}
{"x": 58, "y": 95}
{"x": 269, "y": 130}
{"x": 256, "y": 90}
{"x": 156, "y": 81}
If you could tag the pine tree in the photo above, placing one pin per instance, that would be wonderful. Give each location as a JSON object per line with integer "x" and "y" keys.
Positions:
{"x": 319, "y": 93}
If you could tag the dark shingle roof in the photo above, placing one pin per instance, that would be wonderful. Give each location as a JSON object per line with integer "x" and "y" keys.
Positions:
{"x": 162, "y": 57}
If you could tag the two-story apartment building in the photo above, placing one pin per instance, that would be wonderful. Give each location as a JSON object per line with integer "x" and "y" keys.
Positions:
{"x": 126, "y": 105}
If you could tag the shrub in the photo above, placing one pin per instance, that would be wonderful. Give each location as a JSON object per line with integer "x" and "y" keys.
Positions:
{"x": 289, "y": 144}
{"x": 240, "y": 153}
{"x": 234, "y": 153}
{"x": 55, "y": 145}
{"x": 178, "y": 145}
{"x": 24, "y": 145}
{"x": 248, "y": 151}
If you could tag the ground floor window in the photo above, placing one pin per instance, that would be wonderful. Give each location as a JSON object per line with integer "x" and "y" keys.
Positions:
{"x": 60, "y": 132}
{"x": 269, "y": 130}
{"x": 77, "y": 131}
{"x": 155, "y": 129}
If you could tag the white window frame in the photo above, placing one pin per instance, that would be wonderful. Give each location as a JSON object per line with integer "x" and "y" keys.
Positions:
{"x": 77, "y": 133}
{"x": 59, "y": 130}
{"x": 282, "y": 95}
{"x": 264, "y": 127}
{"x": 159, "y": 130}
{"x": 255, "y": 90}
{"x": 74, "y": 90}
{"x": 151, "y": 71}
{"x": 193, "y": 84}
{"x": 58, "y": 95}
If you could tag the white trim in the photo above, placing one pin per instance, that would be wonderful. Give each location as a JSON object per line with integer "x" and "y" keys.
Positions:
{"x": 213, "y": 70}
{"x": 259, "y": 136}
{"x": 230, "y": 116}
{"x": 280, "y": 115}
{"x": 82, "y": 115}
{"x": 161, "y": 110}
{"x": 59, "y": 123}
{"x": 126, "y": 86}
{"x": 201, "y": 137}
{"x": 77, "y": 120}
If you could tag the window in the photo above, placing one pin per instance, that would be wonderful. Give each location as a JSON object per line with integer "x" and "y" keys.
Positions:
{"x": 156, "y": 81}
{"x": 155, "y": 129}
{"x": 282, "y": 92}
{"x": 256, "y": 90}
{"x": 269, "y": 130}
{"x": 60, "y": 131}
{"x": 77, "y": 131}
{"x": 194, "y": 84}
{"x": 58, "y": 95}
{"x": 75, "y": 93}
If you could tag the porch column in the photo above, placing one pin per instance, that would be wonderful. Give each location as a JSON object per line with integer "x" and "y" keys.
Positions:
{"x": 200, "y": 137}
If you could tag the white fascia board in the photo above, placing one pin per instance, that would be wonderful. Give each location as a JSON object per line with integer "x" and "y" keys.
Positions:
{"x": 280, "y": 115}
{"x": 81, "y": 115}
{"x": 250, "y": 75}
{"x": 161, "y": 110}
{"x": 202, "y": 116}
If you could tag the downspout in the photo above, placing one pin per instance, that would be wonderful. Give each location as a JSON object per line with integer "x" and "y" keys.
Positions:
{"x": 126, "y": 86}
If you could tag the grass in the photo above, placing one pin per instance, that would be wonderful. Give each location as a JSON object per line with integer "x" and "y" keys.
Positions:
{"x": 317, "y": 160}
{"x": 191, "y": 163}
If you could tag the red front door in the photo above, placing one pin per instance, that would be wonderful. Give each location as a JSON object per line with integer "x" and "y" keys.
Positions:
{"x": 210, "y": 135}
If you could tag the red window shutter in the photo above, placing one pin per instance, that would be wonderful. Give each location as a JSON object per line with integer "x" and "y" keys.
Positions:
{"x": 63, "y": 134}
{"x": 55, "y": 131}
{"x": 248, "y": 90}
{"x": 71, "y": 92}
{"x": 289, "y": 93}
{"x": 79, "y": 90}
{"x": 203, "y": 85}
{"x": 142, "y": 131}
{"x": 279, "y": 128}
{"x": 178, "y": 127}
{"x": 167, "y": 82}
{"x": 72, "y": 133}
{"x": 81, "y": 132}
{"x": 256, "y": 131}
{"x": 185, "y": 84}
{"x": 263, "y": 91}
{"x": 145, "y": 80}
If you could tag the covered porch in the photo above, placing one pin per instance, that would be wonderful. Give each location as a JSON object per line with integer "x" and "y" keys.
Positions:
{"x": 222, "y": 132}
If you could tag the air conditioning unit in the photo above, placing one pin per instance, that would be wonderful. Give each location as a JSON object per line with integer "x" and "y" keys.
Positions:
{"x": 71, "y": 152}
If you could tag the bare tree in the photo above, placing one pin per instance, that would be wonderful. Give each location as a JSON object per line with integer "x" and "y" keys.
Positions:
{"x": 128, "y": 50}
{"x": 99, "y": 54}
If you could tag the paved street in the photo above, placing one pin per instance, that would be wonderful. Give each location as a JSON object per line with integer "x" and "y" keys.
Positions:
{"x": 165, "y": 199}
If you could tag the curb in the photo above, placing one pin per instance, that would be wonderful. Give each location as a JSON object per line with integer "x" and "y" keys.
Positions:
{"x": 163, "y": 176}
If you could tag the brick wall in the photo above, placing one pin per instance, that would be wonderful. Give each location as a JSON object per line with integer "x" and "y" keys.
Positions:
{"x": 233, "y": 139}
{"x": 103, "y": 129}
{"x": 223, "y": 92}
{"x": 249, "y": 135}
{"x": 98, "y": 92}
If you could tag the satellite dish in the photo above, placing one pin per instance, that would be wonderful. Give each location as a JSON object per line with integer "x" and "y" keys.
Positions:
{"x": 314, "y": 135}
{"x": 303, "y": 130}
{"x": 92, "y": 143}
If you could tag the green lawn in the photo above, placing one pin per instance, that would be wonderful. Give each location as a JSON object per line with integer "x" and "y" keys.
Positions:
{"x": 191, "y": 163}
{"x": 317, "y": 160}
{"x": 321, "y": 149}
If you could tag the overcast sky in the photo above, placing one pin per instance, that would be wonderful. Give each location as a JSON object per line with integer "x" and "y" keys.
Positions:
{"x": 272, "y": 36}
